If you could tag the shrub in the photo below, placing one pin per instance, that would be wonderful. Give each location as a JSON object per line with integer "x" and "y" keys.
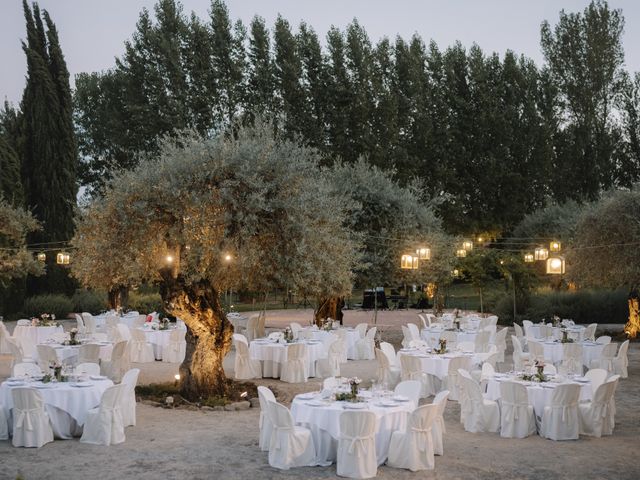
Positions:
{"x": 89, "y": 301}
{"x": 146, "y": 302}
{"x": 59, "y": 305}
{"x": 584, "y": 306}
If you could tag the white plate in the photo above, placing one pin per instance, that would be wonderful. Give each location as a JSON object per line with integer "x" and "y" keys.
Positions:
{"x": 387, "y": 403}
{"x": 316, "y": 403}
{"x": 312, "y": 342}
{"x": 307, "y": 396}
{"x": 97, "y": 377}
{"x": 581, "y": 380}
{"x": 355, "y": 406}
{"x": 15, "y": 383}
{"x": 400, "y": 398}
{"x": 81, "y": 384}
{"x": 43, "y": 385}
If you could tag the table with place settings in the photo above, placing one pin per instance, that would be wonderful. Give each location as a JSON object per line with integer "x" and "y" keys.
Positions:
{"x": 157, "y": 338}
{"x": 321, "y": 414}
{"x": 36, "y": 334}
{"x": 66, "y": 353}
{"x": 432, "y": 335}
{"x": 273, "y": 355}
{"x": 438, "y": 364}
{"x": 66, "y": 403}
{"x": 553, "y": 351}
{"x": 327, "y": 336}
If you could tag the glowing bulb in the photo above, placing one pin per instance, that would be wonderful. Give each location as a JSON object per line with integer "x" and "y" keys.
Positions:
{"x": 227, "y": 257}
{"x": 169, "y": 259}
{"x": 556, "y": 263}
{"x": 177, "y": 376}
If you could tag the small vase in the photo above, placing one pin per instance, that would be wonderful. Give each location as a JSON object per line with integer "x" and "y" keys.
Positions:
{"x": 354, "y": 389}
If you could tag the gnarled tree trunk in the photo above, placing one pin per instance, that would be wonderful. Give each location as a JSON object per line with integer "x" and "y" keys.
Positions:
{"x": 118, "y": 297}
{"x": 208, "y": 335}
{"x": 329, "y": 308}
{"x": 632, "y": 328}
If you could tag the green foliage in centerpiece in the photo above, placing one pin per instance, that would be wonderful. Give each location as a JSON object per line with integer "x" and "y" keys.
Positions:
{"x": 346, "y": 397}
{"x": 442, "y": 348}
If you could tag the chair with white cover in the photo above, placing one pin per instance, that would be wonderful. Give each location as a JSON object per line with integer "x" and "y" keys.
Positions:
{"x": 469, "y": 347}
{"x": 175, "y": 350}
{"x": 391, "y": 354}
{"x": 517, "y": 419}
{"x": 87, "y": 369}
{"x": 572, "y": 358}
{"x": 438, "y": 430}
{"x": 244, "y": 366}
{"x": 330, "y": 366}
{"x": 621, "y": 362}
{"x": 119, "y": 363}
{"x": 603, "y": 339}
{"x": 407, "y": 336}
{"x": 140, "y": 350}
{"x": 501, "y": 343}
{"x": 46, "y": 357}
{"x": 290, "y": 445}
{"x": 295, "y": 329}
{"x": 519, "y": 357}
{"x": 89, "y": 323}
{"x": 452, "y": 379}
{"x": 296, "y": 368}
{"x": 597, "y": 376}
{"x": 357, "y": 445}
{"x": 361, "y": 328}
{"x": 128, "y": 397}
{"x": 123, "y": 333}
{"x": 483, "y": 375}
{"x": 386, "y": 374}
{"x": 342, "y": 336}
{"x": 104, "y": 425}
{"x": 413, "y": 448}
{"x": 31, "y": 424}
{"x": 536, "y": 351}
{"x": 451, "y": 338}
{"x": 415, "y": 332}
{"x": 260, "y": 330}
{"x": 17, "y": 354}
{"x": 425, "y": 321}
{"x": 89, "y": 353}
{"x": 365, "y": 346}
{"x": 480, "y": 414}
{"x": 520, "y": 334}
{"x": 606, "y": 358}
{"x": 590, "y": 332}
{"x": 28, "y": 346}
{"x": 26, "y": 370}
{"x": 482, "y": 342}
{"x": 528, "y": 331}
{"x": 4, "y": 335}
{"x": 560, "y": 420}
{"x": 597, "y": 416}
{"x": 82, "y": 329}
{"x": 410, "y": 389}
{"x": 4, "y": 424}
{"x": 411, "y": 369}
{"x": 265, "y": 395}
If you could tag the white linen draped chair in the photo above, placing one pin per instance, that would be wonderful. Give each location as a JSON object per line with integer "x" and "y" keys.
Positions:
{"x": 82, "y": 329}
{"x": 501, "y": 343}
{"x": 483, "y": 375}
{"x": 361, "y": 328}
{"x": 330, "y": 366}
{"x": 119, "y": 363}
{"x": 295, "y": 329}
{"x": 519, "y": 357}
{"x": 342, "y": 336}
{"x": 176, "y": 349}
{"x": 426, "y": 322}
{"x": 560, "y": 419}
{"x": 546, "y": 331}
{"x": 89, "y": 353}
{"x": 607, "y": 357}
{"x": 4, "y": 424}
{"x": 536, "y": 351}
{"x": 480, "y": 414}
{"x": 123, "y": 333}
{"x": 128, "y": 397}
{"x": 597, "y": 416}
{"x": 251, "y": 330}
{"x": 26, "y": 369}
{"x": 438, "y": 430}
{"x": 603, "y": 339}
{"x": 46, "y": 357}
{"x": 407, "y": 336}
{"x": 265, "y": 395}
{"x": 411, "y": 369}
{"x": 391, "y": 354}
{"x": 520, "y": 335}
{"x": 290, "y": 445}
{"x": 451, "y": 338}
{"x": 17, "y": 354}
{"x": 29, "y": 347}
{"x": 111, "y": 321}
{"x": 590, "y": 332}
{"x": 296, "y": 368}
{"x": 466, "y": 347}
{"x": 87, "y": 369}
{"x": 365, "y": 346}
{"x": 31, "y": 424}
{"x": 357, "y": 445}
{"x": 482, "y": 342}
{"x": 4, "y": 335}
{"x": 452, "y": 380}
{"x": 386, "y": 374}
{"x": 415, "y": 331}
{"x": 517, "y": 419}
{"x": 410, "y": 389}
{"x": 572, "y": 358}
{"x": 140, "y": 350}
{"x": 621, "y": 362}
{"x": 89, "y": 323}
{"x": 526, "y": 325}
{"x": 260, "y": 326}
{"x": 244, "y": 366}
{"x": 413, "y": 448}
{"x": 104, "y": 425}
{"x": 597, "y": 376}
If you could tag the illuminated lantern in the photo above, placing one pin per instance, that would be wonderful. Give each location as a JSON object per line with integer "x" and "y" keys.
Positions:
{"x": 555, "y": 265}
{"x": 42, "y": 257}
{"x": 541, "y": 253}
{"x": 409, "y": 262}
{"x": 63, "y": 258}
{"x": 424, "y": 253}
{"x": 528, "y": 258}
{"x": 455, "y": 272}
{"x": 467, "y": 245}
{"x": 461, "y": 253}
{"x": 555, "y": 246}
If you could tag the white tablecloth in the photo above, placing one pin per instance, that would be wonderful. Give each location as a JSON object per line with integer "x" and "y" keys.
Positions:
{"x": 553, "y": 351}
{"x": 438, "y": 365}
{"x": 273, "y": 355}
{"x": 36, "y": 334}
{"x": 67, "y": 352}
{"x": 575, "y": 332}
{"x": 326, "y": 337}
{"x": 158, "y": 339}
{"x": 66, "y": 405}
{"x": 432, "y": 336}
{"x": 324, "y": 423}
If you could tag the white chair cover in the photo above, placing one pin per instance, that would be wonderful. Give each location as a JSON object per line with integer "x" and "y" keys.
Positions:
{"x": 480, "y": 414}
{"x": 46, "y": 357}
{"x": 330, "y": 366}
{"x": 266, "y": 427}
{"x": 357, "y": 446}
{"x": 410, "y": 389}
{"x": 407, "y": 337}
{"x": 438, "y": 430}
{"x": 296, "y": 368}
{"x": 80, "y": 324}
{"x": 4, "y": 334}
{"x": 386, "y": 374}
{"x": 87, "y": 369}
{"x": 342, "y": 336}
{"x": 411, "y": 369}
{"x": 590, "y": 332}
{"x": 621, "y": 362}
{"x": 501, "y": 343}
{"x": 176, "y": 349}
{"x": 391, "y": 354}
{"x": 365, "y": 346}
{"x": 290, "y": 446}
{"x": 89, "y": 322}
{"x": 603, "y": 339}
{"x": 597, "y": 377}
{"x": 31, "y": 425}
{"x": 572, "y": 358}
{"x": 482, "y": 342}
{"x": 23, "y": 322}
{"x": 451, "y": 338}
{"x": 536, "y": 351}
{"x": 28, "y": 346}
{"x": 4, "y": 424}
{"x": 597, "y": 416}
{"x": 526, "y": 325}
{"x": 244, "y": 366}
{"x": 413, "y": 448}
{"x": 128, "y": 397}
{"x": 451, "y": 381}
{"x": 260, "y": 330}
{"x": 560, "y": 419}
{"x": 361, "y": 328}
{"x": 119, "y": 363}
{"x": 104, "y": 425}
{"x": 519, "y": 357}
{"x": 89, "y": 353}
{"x": 295, "y": 329}
{"x": 140, "y": 350}
{"x": 26, "y": 369}
{"x": 123, "y": 333}
{"x": 517, "y": 419}
{"x": 607, "y": 358}
{"x": 415, "y": 332}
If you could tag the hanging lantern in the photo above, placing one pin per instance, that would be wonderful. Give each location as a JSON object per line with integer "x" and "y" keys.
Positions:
{"x": 461, "y": 253}
{"x": 555, "y": 265}
{"x": 42, "y": 257}
{"x": 480, "y": 239}
{"x": 455, "y": 273}
{"x": 528, "y": 258}
{"x": 409, "y": 262}
{"x": 63, "y": 258}
{"x": 555, "y": 246}
{"x": 541, "y": 253}
{"x": 467, "y": 245}
{"x": 424, "y": 253}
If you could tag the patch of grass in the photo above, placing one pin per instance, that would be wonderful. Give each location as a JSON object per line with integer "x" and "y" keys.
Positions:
{"x": 158, "y": 392}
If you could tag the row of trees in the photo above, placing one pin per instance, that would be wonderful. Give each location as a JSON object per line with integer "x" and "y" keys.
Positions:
{"x": 477, "y": 128}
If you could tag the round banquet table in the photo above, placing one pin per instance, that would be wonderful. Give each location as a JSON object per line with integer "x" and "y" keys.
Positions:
{"x": 66, "y": 353}
{"x": 158, "y": 339}
{"x": 432, "y": 335}
{"x": 576, "y": 332}
{"x": 36, "y": 334}
{"x": 554, "y": 353}
{"x": 323, "y": 419}
{"x": 66, "y": 404}
{"x": 328, "y": 336}
{"x": 436, "y": 364}
{"x": 273, "y": 355}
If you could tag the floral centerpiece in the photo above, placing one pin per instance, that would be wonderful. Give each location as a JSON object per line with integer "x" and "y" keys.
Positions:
{"x": 355, "y": 385}
{"x": 45, "y": 320}
{"x": 73, "y": 337}
{"x": 288, "y": 335}
{"x": 565, "y": 337}
{"x": 327, "y": 324}
{"x": 556, "y": 321}
{"x": 163, "y": 324}
{"x": 352, "y": 395}
{"x": 442, "y": 348}
{"x": 539, "y": 376}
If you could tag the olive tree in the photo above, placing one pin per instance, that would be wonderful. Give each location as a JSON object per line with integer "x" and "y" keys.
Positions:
{"x": 605, "y": 249}
{"x": 241, "y": 210}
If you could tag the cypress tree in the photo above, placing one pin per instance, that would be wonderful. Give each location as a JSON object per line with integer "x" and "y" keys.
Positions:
{"x": 260, "y": 81}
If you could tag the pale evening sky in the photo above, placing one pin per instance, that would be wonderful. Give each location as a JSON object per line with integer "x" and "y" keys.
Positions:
{"x": 92, "y": 32}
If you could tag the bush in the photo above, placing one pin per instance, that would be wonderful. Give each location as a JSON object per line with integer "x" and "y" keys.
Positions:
{"x": 89, "y": 301}
{"x": 584, "y": 306}
{"x": 146, "y": 302}
{"x": 59, "y": 305}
